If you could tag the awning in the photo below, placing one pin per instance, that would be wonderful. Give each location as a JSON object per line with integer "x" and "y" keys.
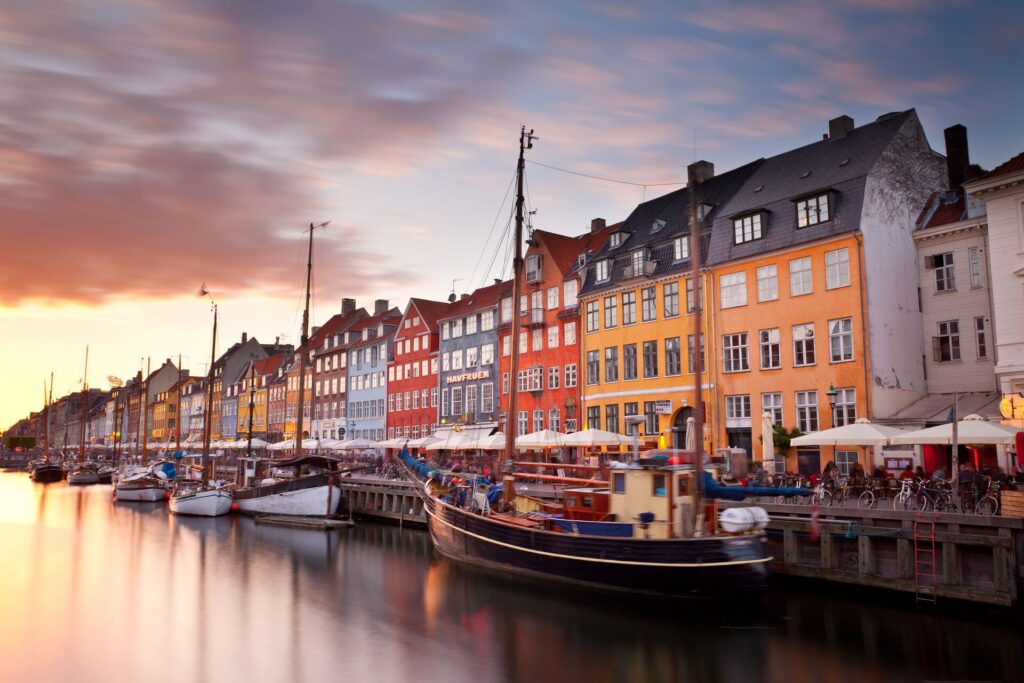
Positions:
{"x": 937, "y": 408}
{"x": 860, "y": 433}
{"x": 972, "y": 430}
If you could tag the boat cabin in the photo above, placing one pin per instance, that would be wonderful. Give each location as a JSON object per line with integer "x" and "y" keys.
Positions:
{"x": 586, "y": 503}
{"x": 655, "y": 497}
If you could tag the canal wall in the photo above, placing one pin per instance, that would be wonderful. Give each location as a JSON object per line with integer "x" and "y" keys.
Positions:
{"x": 971, "y": 557}
{"x": 384, "y": 499}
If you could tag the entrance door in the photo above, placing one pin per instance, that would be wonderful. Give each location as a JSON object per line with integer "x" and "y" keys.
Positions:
{"x": 808, "y": 462}
{"x": 679, "y": 426}
{"x": 741, "y": 438}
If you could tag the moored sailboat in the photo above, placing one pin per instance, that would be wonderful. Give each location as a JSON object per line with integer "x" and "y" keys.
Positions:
{"x": 83, "y": 473}
{"x": 47, "y": 471}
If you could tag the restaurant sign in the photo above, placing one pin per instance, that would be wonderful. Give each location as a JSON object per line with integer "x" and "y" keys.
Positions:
{"x": 468, "y": 376}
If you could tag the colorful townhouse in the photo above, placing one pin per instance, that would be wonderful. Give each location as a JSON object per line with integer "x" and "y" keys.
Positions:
{"x": 227, "y": 370}
{"x": 469, "y": 362}
{"x": 636, "y": 314}
{"x": 253, "y": 396}
{"x": 413, "y": 390}
{"x": 368, "y": 356}
{"x": 328, "y": 370}
{"x": 548, "y": 383}
{"x": 277, "y": 403}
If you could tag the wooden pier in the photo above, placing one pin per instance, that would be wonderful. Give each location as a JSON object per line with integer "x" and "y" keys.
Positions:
{"x": 385, "y": 499}
{"x": 966, "y": 557}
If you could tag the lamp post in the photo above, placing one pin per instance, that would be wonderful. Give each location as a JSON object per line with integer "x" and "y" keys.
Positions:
{"x": 635, "y": 421}
{"x": 832, "y": 394}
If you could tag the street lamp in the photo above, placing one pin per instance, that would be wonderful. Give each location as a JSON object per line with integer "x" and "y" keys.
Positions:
{"x": 832, "y": 394}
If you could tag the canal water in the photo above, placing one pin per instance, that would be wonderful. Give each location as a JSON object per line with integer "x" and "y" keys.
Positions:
{"x": 93, "y": 590}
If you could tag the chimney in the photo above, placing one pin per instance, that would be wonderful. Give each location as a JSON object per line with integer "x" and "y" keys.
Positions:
{"x": 277, "y": 341}
{"x": 597, "y": 224}
{"x": 315, "y": 329}
{"x": 497, "y": 280}
{"x": 700, "y": 171}
{"x": 245, "y": 337}
{"x": 839, "y": 127}
{"x": 348, "y": 306}
{"x": 464, "y": 297}
{"x": 958, "y": 158}
{"x": 380, "y": 306}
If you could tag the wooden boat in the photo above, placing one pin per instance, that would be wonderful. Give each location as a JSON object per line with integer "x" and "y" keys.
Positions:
{"x": 313, "y": 493}
{"x": 141, "y": 488}
{"x": 47, "y": 473}
{"x": 84, "y": 475}
{"x": 200, "y": 501}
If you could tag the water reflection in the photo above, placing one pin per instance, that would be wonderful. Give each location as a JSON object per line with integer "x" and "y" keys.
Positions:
{"x": 127, "y": 592}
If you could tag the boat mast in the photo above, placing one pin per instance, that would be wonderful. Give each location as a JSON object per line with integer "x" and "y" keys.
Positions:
{"x": 252, "y": 397}
{"x": 511, "y": 423}
{"x": 144, "y": 436}
{"x": 49, "y": 409}
{"x": 85, "y": 407}
{"x": 207, "y": 417}
{"x": 177, "y": 415}
{"x": 304, "y": 341}
{"x": 698, "y": 343}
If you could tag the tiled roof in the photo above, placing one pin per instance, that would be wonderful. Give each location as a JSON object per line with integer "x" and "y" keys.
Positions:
{"x": 942, "y": 208}
{"x": 479, "y": 298}
{"x": 1014, "y": 165}
{"x": 431, "y": 311}
{"x": 265, "y": 366}
{"x": 390, "y": 317}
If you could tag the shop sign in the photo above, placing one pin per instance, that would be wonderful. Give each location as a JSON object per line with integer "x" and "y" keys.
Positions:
{"x": 663, "y": 406}
{"x": 468, "y": 376}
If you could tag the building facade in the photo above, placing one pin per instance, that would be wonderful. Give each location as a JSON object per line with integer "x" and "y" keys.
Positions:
{"x": 368, "y": 357}
{"x": 413, "y": 371}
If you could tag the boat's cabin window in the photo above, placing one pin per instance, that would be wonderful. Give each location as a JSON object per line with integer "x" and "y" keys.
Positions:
{"x": 588, "y": 501}
{"x": 658, "y": 481}
{"x": 571, "y": 501}
{"x": 684, "y": 486}
{"x": 618, "y": 482}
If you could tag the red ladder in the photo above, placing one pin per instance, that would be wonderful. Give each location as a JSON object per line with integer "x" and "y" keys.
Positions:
{"x": 925, "y": 574}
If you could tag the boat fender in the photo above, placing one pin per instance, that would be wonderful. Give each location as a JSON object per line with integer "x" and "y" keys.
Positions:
{"x": 736, "y": 520}
{"x": 761, "y": 518}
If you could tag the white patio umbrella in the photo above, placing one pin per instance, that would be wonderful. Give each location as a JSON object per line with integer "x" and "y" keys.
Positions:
{"x": 767, "y": 441}
{"x": 355, "y": 444}
{"x": 281, "y": 445}
{"x": 863, "y": 432}
{"x": 310, "y": 443}
{"x": 545, "y": 438}
{"x": 691, "y": 434}
{"x": 396, "y": 442}
{"x": 453, "y": 440}
{"x": 973, "y": 429}
{"x": 256, "y": 443}
{"x": 494, "y": 442}
{"x": 596, "y": 437}
{"x": 423, "y": 441}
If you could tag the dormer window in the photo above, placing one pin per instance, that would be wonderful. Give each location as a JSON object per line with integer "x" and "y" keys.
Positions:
{"x": 581, "y": 260}
{"x": 747, "y": 228}
{"x": 681, "y": 248}
{"x": 813, "y": 210}
{"x": 533, "y": 270}
{"x": 637, "y": 258}
{"x": 703, "y": 210}
{"x": 616, "y": 239}
{"x": 657, "y": 225}
{"x": 602, "y": 270}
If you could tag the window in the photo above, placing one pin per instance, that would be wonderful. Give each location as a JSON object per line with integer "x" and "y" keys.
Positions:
{"x": 457, "y": 401}
{"x": 537, "y": 340}
{"x": 737, "y": 408}
{"x": 611, "y": 417}
{"x": 673, "y": 362}
{"x": 531, "y": 379}
{"x": 618, "y": 482}
{"x": 569, "y": 292}
{"x": 807, "y": 411}
{"x": 771, "y": 403}
{"x": 444, "y": 331}
{"x": 681, "y": 248}
{"x": 592, "y": 316}
{"x": 767, "y": 283}
{"x": 524, "y": 422}
{"x": 629, "y": 361}
{"x": 945, "y": 280}
{"x": 631, "y": 409}
{"x": 974, "y": 261}
{"x": 812, "y": 211}
{"x": 800, "y": 276}
{"x": 506, "y": 346}
{"x": 407, "y": 401}
{"x": 650, "y": 351}
{"x": 471, "y": 323}
{"x": 845, "y": 411}
{"x": 457, "y": 359}
{"x": 837, "y": 268}
{"x": 803, "y": 345}
{"x": 415, "y": 400}
{"x": 594, "y": 417}
{"x": 980, "y": 336}
{"x": 616, "y": 239}
{"x": 522, "y": 341}
{"x": 671, "y": 299}
{"x": 771, "y": 349}
{"x": 611, "y": 312}
{"x": 593, "y": 366}
{"x": 690, "y": 308}
{"x": 555, "y": 419}
{"x": 533, "y": 271}
{"x": 553, "y": 337}
{"x": 487, "y": 397}
{"x": 486, "y": 323}
{"x": 650, "y": 305}
{"x": 470, "y": 400}
{"x": 570, "y": 377}
{"x": 628, "y": 308}
{"x": 554, "y": 374}
{"x": 552, "y": 298}
{"x": 734, "y": 352}
{"x": 472, "y": 356}
{"x": 569, "y": 335}
{"x": 456, "y": 328}
{"x": 611, "y": 364}
{"x": 658, "y": 485}
{"x": 845, "y": 460}
{"x": 747, "y": 228}
{"x": 840, "y": 340}
{"x": 601, "y": 270}
{"x": 487, "y": 354}
{"x": 506, "y": 309}
{"x": 691, "y": 354}
{"x": 651, "y": 419}
{"x": 637, "y": 259}
{"x": 733, "y": 290}
{"x": 444, "y": 403}
{"x": 946, "y": 346}
{"x": 504, "y": 382}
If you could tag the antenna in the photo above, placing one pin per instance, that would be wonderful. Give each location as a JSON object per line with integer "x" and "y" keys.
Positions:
{"x": 452, "y": 297}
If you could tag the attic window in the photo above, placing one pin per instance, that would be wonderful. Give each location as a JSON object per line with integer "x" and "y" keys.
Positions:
{"x": 581, "y": 260}
{"x": 813, "y": 210}
{"x": 616, "y": 239}
{"x": 657, "y": 225}
{"x": 747, "y": 228}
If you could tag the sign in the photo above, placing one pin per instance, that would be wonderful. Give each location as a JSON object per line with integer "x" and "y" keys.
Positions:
{"x": 115, "y": 382}
{"x": 1011, "y": 406}
{"x": 468, "y": 376}
{"x": 663, "y": 406}
{"x": 328, "y": 424}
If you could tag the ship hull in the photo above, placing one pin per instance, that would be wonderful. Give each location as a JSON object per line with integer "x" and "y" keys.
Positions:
{"x": 47, "y": 474}
{"x": 309, "y": 496}
{"x": 208, "y": 503}
{"x": 83, "y": 478}
{"x": 133, "y": 494}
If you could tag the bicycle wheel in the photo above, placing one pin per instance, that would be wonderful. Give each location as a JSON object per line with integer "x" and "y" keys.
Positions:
{"x": 823, "y": 498}
{"x": 899, "y": 502}
{"x": 987, "y": 506}
{"x": 866, "y": 500}
{"x": 916, "y": 503}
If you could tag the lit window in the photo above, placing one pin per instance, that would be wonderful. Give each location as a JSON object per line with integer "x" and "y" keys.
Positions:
{"x": 803, "y": 345}
{"x": 602, "y": 270}
{"x": 840, "y": 340}
{"x": 681, "y": 248}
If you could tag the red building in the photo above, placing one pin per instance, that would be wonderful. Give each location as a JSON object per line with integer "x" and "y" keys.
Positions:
{"x": 412, "y": 371}
{"x": 548, "y": 381}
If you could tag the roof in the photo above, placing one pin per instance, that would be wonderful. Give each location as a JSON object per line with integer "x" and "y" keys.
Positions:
{"x": 334, "y": 324}
{"x": 431, "y": 311}
{"x": 1014, "y": 165}
{"x": 483, "y": 297}
{"x": 942, "y": 208}
{"x": 266, "y": 366}
{"x": 390, "y": 317}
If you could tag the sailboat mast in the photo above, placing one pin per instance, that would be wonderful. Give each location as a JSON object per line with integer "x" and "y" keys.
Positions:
{"x": 303, "y": 351}
{"x": 252, "y": 400}
{"x": 208, "y": 410}
{"x": 698, "y": 343}
{"x": 177, "y": 409}
{"x": 49, "y": 409}
{"x": 85, "y": 406}
{"x": 144, "y": 435}
{"x": 511, "y": 423}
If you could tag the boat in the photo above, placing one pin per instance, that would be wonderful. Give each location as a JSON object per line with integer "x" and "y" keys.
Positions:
{"x": 661, "y": 532}
{"x": 140, "y": 488}
{"x": 47, "y": 470}
{"x": 48, "y": 473}
{"x": 196, "y": 499}
{"x": 304, "y": 485}
{"x": 106, "y": 474}
{"x": 84, "y": 475}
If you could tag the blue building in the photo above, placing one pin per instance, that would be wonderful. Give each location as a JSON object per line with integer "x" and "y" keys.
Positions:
{"x": 369, "y": 348}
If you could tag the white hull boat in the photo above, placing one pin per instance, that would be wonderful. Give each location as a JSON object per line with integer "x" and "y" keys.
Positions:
{"x": 312, "y": 501}
{"x": 144, "y": 489}
{"x": 83, "y": 477}
{"x": 202, "y": 503}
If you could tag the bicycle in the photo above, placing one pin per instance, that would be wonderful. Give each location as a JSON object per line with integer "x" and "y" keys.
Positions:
{"x": 989, "y": 503}
{"x": 934, "y": 495}
{"x": 906, "y": 492}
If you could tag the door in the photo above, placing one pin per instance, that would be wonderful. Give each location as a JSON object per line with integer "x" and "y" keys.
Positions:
{"x": 679, "y": 426}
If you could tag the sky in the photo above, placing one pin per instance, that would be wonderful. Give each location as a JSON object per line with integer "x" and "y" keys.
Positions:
{"x": 148, "y": 147}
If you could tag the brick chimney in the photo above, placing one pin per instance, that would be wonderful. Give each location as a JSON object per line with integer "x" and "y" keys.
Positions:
{"x": 380, "y": 306}
{"x": 245, "y": 337}
{"x": 597, "y": 224}
{"x": 839, "y": 127}
{"x": 348, "y": 306}
{"x": 958, "y": 158}
{"x": 699, "y": 171}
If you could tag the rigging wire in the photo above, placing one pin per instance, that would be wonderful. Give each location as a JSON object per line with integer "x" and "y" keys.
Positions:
{"x": 498, "y": 248}
{"x": 494, "y": 224}
{"x": 597, "y": 177}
